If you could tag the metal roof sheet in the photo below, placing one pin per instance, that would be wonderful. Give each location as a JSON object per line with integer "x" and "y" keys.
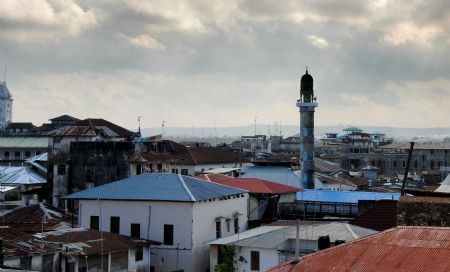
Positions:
{"x": 254, "y": 185}
{"x": 23, "y": 142}
{"x": 272, "y": 237}
{"x": 396, "y": 249}
{"x": 343, "y": 196}
{"x": 158, "y": 187}
{"x": 36, "y": 161}
{"x": 19, "y": 175}
{"x": 278, "y": 174}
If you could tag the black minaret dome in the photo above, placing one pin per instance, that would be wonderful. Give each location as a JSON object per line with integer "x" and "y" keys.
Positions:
{"x": 306, "y": 87}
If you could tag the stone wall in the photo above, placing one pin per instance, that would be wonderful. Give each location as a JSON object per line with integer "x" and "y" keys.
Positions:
{"x": 424, "y": 211}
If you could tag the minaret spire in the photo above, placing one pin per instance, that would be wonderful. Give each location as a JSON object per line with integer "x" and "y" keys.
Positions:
{"x": 307, "y": 105}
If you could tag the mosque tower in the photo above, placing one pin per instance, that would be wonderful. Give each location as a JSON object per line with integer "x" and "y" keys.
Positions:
{"x": 5, "y": 106}
{"x": 307, "y": 104}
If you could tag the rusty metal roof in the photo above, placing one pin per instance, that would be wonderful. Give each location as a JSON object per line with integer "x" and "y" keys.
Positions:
{"x": 254, "y": 185}
{"x": 397, "y": 249}
{"x": 92, "y": 127}
{"x": 81, "y": 241}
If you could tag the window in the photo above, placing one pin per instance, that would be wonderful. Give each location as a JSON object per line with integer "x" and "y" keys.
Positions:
{"x": 47, "y": 263}
{"x": 61, "y": 169}
{"x": 184, "y": 172}
{"x": 139, "y": 254}
{"x": 236, "y": 225}
{"x": 25, "y": 262}
{"x": 115, "y": 224}
{"x": 17, "y": 154}
{"x": 254, "y": 260}
{"x": 228, "y": 225}
{"x": 94, "y": 222}
{"x": 38, "y": 153}
{"x": 56, "y": 142}
{"x": 218, "y": 229}
{"x": 27, "y": 154}
{"x": 138, "y": 169}
{"x": 168, "y": 235}
{"x": 6, "y": 154}
{"x": 135, "y": 230}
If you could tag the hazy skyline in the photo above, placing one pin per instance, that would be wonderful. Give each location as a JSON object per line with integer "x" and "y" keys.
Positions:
{"x": 221, "y": 63}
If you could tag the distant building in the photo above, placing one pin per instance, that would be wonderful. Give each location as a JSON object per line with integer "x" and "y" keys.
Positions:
{"x": 172, "y": 157}
{"x": 14, "y": 150}
{"x": 5, "y": 106}
{"x": 20, "y": 129}
{"x": 182, "y": 212}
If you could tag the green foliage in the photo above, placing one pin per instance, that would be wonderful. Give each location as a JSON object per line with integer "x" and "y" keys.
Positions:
{"x": 227, "y": 259}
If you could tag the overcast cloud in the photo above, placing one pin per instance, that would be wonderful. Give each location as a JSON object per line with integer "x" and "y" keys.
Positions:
{"x": 206, "y": 63}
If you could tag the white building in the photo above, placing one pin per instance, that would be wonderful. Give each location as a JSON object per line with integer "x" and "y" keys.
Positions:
{"x": 5, "y": 106}
{"x": 182, "y": 212}
{"x": 261, "y": 248}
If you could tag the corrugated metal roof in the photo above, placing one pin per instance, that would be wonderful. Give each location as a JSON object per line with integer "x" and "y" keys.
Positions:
{"x": 19, "y": 175}
{"x": 344, "y": 196}
{"x": 254, "y": 185}
{"x": 278, "y": 174}
{"x": 80, "y": 241}
{"x": 272, "y": 237}
{"x": 23, "y": 142}
{"x": 158, "y": 187}
{"x": 397, "y": 249}
{"x": 37, "y": 160}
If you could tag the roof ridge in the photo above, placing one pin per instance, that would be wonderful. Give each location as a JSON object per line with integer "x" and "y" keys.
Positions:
{"x": 263, "y": 184}
{"x": 183, "y": 183}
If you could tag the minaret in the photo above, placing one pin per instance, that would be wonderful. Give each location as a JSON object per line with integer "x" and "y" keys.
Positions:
{"x": 5, "y": 106}
{"x": 307, "y": 104}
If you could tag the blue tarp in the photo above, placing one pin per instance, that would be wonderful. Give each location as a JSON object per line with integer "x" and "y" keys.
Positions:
{"x": 344, "y": 196}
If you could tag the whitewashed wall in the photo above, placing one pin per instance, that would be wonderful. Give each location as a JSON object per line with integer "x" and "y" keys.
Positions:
{"x": 178, "y": 214}
{"x": 204, "y": 225}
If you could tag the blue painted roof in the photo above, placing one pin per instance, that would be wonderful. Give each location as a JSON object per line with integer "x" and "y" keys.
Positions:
{"x": 157, "y": 187}
{"x": 343, "y": 196}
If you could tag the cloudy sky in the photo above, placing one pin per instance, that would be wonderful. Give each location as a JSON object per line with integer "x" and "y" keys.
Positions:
{"x": 207, "y": 63}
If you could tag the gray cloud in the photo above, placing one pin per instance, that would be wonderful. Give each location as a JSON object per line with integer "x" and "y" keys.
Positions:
{"x": 200, "y": 62}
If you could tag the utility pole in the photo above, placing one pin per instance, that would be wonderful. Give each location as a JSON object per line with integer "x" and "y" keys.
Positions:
{"x": 256, "y": 117}
{"x": 405, "y": 177}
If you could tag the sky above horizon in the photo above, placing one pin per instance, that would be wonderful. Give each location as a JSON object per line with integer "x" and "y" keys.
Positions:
{"x": 221, "y": 63}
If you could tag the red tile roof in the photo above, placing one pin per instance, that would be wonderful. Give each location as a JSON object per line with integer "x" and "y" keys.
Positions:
{"x": 214, "y": 177}
{"x": 396, "y": 249}
{"x": 381, "y": 217}
{"x": 253, "y": 185}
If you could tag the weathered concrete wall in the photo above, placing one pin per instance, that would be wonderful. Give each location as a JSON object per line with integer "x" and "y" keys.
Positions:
{"x": 423, "y": 213}
{"x": 99, "y": 163}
